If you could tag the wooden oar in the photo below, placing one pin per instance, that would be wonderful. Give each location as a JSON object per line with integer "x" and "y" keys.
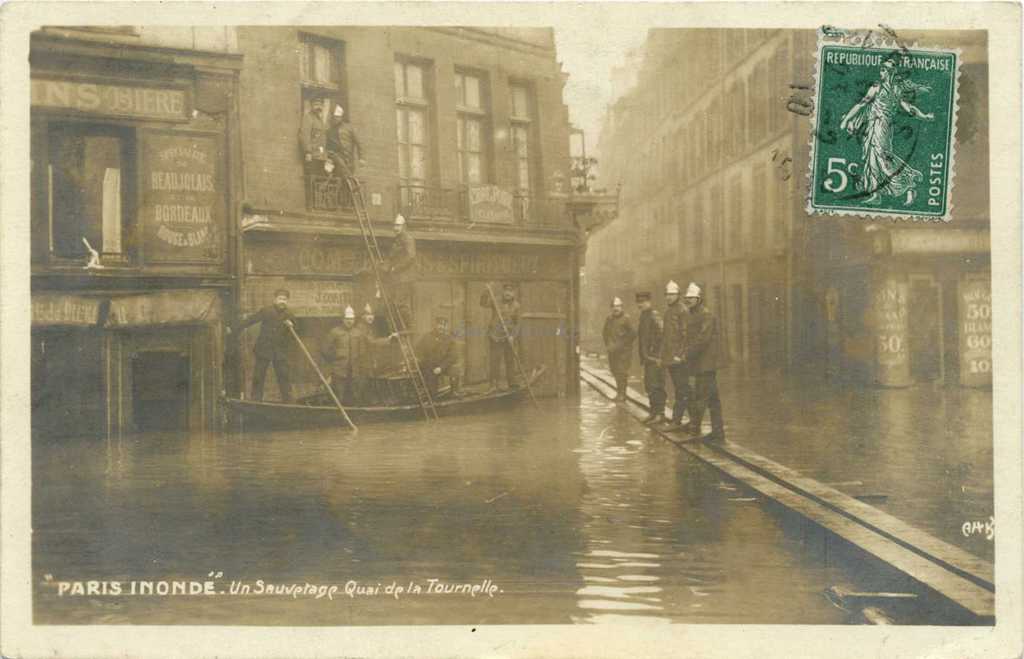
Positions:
{"x": 322, "y": 378}
{"x": 512, "y": 345}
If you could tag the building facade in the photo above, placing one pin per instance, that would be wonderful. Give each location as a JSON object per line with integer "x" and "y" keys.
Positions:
{"x": 711, "y": 149}
{"x": 134, "y": 150}
{"x": 462, "y": 131}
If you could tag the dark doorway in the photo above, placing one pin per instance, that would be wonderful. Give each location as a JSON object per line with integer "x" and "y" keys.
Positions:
{"x": 160, "y": 390}
{"x": 923, "y": 331}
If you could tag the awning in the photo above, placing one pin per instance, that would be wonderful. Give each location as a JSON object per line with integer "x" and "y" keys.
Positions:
{"x": 164, "y": 308}
{"x": 53, "y": 309}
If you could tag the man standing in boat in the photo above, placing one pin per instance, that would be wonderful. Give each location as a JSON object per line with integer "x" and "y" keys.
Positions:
{"x": 400, "y": 270}
{"x": 438, "y": 355}
{"x": 345, "y": 355}
{"x": 375, "y": 356}
{"x": 503, "y": 332}
{"x": 276, "y": 323}
{"x": 673, "y": 353}
{"x": 619, "y": 335}
{"x": 648, "y": 332}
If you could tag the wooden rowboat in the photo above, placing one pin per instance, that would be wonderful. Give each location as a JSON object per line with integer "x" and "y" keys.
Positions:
{"x": 267, "y": 415}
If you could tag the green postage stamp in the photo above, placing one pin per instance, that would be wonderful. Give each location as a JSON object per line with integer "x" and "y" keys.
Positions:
{"x": 883, "y": 129}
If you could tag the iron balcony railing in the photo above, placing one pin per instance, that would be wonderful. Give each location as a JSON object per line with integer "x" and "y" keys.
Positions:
{"x": 328, "y": 193}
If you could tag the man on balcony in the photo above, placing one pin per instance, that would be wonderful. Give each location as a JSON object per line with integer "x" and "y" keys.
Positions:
{"x": 313, "y": 136}
{"x": 343, "y": 145}
{"x": 401, "y": 272}
{"x": 503, "y": 332}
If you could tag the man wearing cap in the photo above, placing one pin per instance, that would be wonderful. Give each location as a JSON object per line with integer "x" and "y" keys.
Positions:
{"x": 401, "y": 270}
{"x": 313, "y": 135}
{"x": 276, "y": 323}
{"x": 648, "y": 335}
{"x": 703, "y": 360}
{"x": 618, "y": 340}
{"x": 438, "y": 355}
{"x": 503, "y": 332}
{"x": 343, "y": 144}
{"x": 344, "y": 352}
{"x": 673, "y": 352}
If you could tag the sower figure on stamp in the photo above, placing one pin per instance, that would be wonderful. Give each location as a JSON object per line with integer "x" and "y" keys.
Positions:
{"x": 702, "y": 356}
{"x": 503, "y": 332}
{"x": 618, "y": 337}
{"x": 401, "y": 271}
{"x": 343, "y": 145}
{"x": 438, "y": 355}
{"x": 649, "y": 328}
{"x": 275, "y": 334}
{"x": 673, "y": 353}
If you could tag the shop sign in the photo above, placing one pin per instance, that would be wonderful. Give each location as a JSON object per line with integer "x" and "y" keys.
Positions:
{"x": 133, "y": 101}
{"x": 489, "y": 203}
{"x": 164, "y": 308}
{"x": 182, "y": 206}
{"x": 483, "y": 262}
{"x": 48, "y": 309}
{"x": 308, "y": 299}
{"x": 940, "y": 241}
{"x": 891, "y": 355}
{"x": 307, "y": 259}
{"x": 976, "y": 333}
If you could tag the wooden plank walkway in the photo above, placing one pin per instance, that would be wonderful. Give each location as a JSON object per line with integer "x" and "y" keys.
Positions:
{"x": 949, "y": 571}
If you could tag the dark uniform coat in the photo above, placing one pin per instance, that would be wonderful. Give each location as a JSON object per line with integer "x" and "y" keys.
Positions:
{"x": 274, "y": 335}
{"x": 434, "y": 349}
{"x": 402, "y": 258}
{"x": 509, "y": 313}
{"x": 343, "y": 144}
{"x": 618, "y": 339}
{"x": 347, "y": 352}
{"x": 673, "y": 338}
{"x": 648, "y": 335}
{"x": 702, "y": 349}
{"x": 313, "y": 135}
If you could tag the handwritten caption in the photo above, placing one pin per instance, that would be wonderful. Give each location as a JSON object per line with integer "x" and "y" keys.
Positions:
{"x": 978, "y": 527}
{"x": 213, "y": 587}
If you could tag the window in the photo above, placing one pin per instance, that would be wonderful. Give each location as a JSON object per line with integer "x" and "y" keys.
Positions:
{"x": 89, "y": 174}
{"x": 522, "y": 115}
{"x": 473, "y": 127}
{"x": 412, "y": 108}
{"x": 321, "y": 71}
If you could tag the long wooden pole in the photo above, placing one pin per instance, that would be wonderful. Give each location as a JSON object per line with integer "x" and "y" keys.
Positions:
{"x": 512, "y": 345}
{"x": 322, "y": 378}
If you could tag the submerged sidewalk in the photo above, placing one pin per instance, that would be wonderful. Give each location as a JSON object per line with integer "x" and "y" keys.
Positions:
{"x": 923, "y": 454}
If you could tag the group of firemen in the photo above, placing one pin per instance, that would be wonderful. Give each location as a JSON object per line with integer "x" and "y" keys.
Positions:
{"x": 684, "y": 342}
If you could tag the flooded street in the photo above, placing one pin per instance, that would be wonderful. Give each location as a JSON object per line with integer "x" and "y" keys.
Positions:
{"x": 575, "y": 514}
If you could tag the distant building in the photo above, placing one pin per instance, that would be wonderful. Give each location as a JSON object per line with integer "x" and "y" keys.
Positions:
{"x": 134, "y": 213}
{"x": 713, "y": 172}
{"x": 463, "y": 131}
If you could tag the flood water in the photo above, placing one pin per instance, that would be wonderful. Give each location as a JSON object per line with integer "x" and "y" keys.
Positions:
{"x": 573, "y": 512}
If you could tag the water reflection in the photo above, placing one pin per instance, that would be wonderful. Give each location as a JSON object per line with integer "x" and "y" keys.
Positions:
{"x": 577, "y": 514}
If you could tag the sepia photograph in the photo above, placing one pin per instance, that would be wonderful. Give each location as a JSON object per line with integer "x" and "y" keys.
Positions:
{"x": 465, "y": 323}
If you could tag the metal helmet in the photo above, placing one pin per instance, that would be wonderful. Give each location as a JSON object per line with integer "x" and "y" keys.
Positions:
{"x": 693, "y": 290}
{"x": 399, "y": 220}
{"x": 616, "y": 302}
{"x": 672, "y": 287}
{"x": 350, "y": 312}
{"x": 368, "y": 310}
{"x": 338, "y": 111}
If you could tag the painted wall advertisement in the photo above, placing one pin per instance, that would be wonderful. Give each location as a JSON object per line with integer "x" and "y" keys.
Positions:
{"x": 489, "y": 203}
{"x": 976, "y": 333}
{"x": 309, "y": 298}
{"x": 182, "y": 200}
{"x": 892, "y": 359}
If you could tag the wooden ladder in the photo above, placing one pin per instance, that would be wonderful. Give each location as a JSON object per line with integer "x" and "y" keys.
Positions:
{"x": 412, "y": 364}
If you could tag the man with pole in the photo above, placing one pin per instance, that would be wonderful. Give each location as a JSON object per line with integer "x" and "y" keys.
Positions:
{"x": 503, "y": 332}
{"x": 275, "y": 324}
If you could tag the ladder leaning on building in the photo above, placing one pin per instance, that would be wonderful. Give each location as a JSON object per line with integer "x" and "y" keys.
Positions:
{"x": 412, "y": 365}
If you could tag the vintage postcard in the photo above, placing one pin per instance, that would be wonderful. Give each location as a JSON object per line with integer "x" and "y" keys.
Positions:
{"x": 496, "y": 329}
